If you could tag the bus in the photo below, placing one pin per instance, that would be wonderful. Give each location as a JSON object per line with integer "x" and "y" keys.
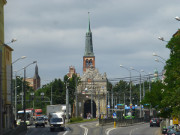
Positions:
{"x": 29, "y": 117}
{"x": 130, "y": 112}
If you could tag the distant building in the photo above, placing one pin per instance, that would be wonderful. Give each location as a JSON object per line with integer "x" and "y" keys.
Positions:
{"x": 35, "y": 82}
{"x": 72, "y": 71}
{"x": 156, "y": 76}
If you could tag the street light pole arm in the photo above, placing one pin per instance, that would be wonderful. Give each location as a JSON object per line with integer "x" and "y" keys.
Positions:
{"x": 30, "y": 64}
{"x": 18, "y": 59}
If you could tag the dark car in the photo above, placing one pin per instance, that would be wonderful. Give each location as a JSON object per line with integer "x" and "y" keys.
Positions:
{"x": 155, "y": 122}
{"x": 40, "y": 121}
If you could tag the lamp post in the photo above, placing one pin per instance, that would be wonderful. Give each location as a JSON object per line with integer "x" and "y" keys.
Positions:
{"x": 32, "y": 97}
{"x": 67, "y": 101}
{"x": 42, "y": 98}
{"x": 129, "y": 82}
{"x": 139, "y": 90}
{"x": 22, "y": 57}
{"x": 24, "y": 107}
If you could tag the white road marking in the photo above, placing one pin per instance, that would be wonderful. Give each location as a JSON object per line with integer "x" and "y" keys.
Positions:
{"x": 86, "y": 129}
{"x": 108, "y": 130}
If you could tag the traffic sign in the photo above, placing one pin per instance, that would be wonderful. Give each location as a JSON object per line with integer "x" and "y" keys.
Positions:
{"x": 114, "y": 115}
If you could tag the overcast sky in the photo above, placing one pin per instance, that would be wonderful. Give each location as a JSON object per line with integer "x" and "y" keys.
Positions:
{"x": 126, "y": 32}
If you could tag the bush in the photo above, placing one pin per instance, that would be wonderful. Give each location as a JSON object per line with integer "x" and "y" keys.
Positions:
{"x": 76, "y": 119}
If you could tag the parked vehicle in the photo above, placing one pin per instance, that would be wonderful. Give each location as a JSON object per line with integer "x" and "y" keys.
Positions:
{"x": 155, "y": 122}
{"x": 40, "y": 121}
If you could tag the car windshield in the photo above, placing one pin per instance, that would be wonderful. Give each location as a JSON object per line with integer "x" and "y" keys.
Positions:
{"x": 56, "y": 119}
{"x": 39, "y": 118}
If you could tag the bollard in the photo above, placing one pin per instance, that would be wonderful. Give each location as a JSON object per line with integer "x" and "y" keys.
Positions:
{"x": 114, "y": 124}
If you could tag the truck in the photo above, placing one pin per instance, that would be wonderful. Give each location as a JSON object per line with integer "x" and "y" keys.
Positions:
{"x": 59, "y": 108}
{"x": 56, "y": 121}
{"x": 38, "y": 112}
{"x": 56, "y": 115}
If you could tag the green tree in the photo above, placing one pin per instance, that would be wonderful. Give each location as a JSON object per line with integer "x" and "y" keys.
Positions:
{"x": 172, "y": 77}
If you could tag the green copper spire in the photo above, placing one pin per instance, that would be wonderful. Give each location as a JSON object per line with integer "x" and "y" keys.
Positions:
{"x": 89, "y": 28}
{"x": 88, "y": 42}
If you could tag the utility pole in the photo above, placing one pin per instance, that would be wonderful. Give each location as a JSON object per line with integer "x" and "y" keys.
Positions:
{"x": 51, "y": 95}
{"x": 76, "y": 99}
{"x": 98, "y": 104}
{"x": 108, "y": 103}
{"x": 67, "y": 102}
{"x": 112, "y": 99}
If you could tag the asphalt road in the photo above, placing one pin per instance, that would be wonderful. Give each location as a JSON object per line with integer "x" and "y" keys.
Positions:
{"x": 92, "y": 128}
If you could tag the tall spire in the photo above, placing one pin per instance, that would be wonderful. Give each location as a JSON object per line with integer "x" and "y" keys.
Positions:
{"x": 88, "y": 42}
{"x": 89, "y": 28}
{"x": 36, "y": 75}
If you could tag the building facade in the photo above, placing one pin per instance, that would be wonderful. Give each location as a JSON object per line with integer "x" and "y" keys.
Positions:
{"x": 92, "y": 90}
{"x": 6, "y": 111}
{"x": 35, "y": 82}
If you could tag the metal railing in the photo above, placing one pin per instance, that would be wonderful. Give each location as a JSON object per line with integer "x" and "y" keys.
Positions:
{"x": 120, "y": 122}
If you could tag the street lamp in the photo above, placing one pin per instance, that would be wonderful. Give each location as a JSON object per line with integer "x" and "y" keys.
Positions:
{"x": 129, "y": 82}
{"x": 22, "y": 57}
{"x": 157, "y": 60}
{"x": 139, "y": 88}
{"x": 154, "y": 54}
{"x": 177, "y": 18}
{"x": 24, "y": 107}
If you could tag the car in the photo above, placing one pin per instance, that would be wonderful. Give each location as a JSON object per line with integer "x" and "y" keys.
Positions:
{"x": 40, "y": 121}
{"x": 46, "y": 119}
{"x": 56, "y": 123}
{"x": 155, "y": 122}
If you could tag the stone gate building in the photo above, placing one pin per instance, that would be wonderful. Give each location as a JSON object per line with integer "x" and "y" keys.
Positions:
{"x": 92, "y": 91}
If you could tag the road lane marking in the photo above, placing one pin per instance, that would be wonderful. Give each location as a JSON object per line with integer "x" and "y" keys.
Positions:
{"x": 108, "y": 130}
{"x": 86, "y": 129}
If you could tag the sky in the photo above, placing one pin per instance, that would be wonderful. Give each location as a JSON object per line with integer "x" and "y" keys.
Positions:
{"x": 52, "y": 32}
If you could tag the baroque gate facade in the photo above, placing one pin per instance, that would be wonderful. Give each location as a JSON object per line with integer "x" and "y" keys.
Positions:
{"x": 92, "y": 94}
